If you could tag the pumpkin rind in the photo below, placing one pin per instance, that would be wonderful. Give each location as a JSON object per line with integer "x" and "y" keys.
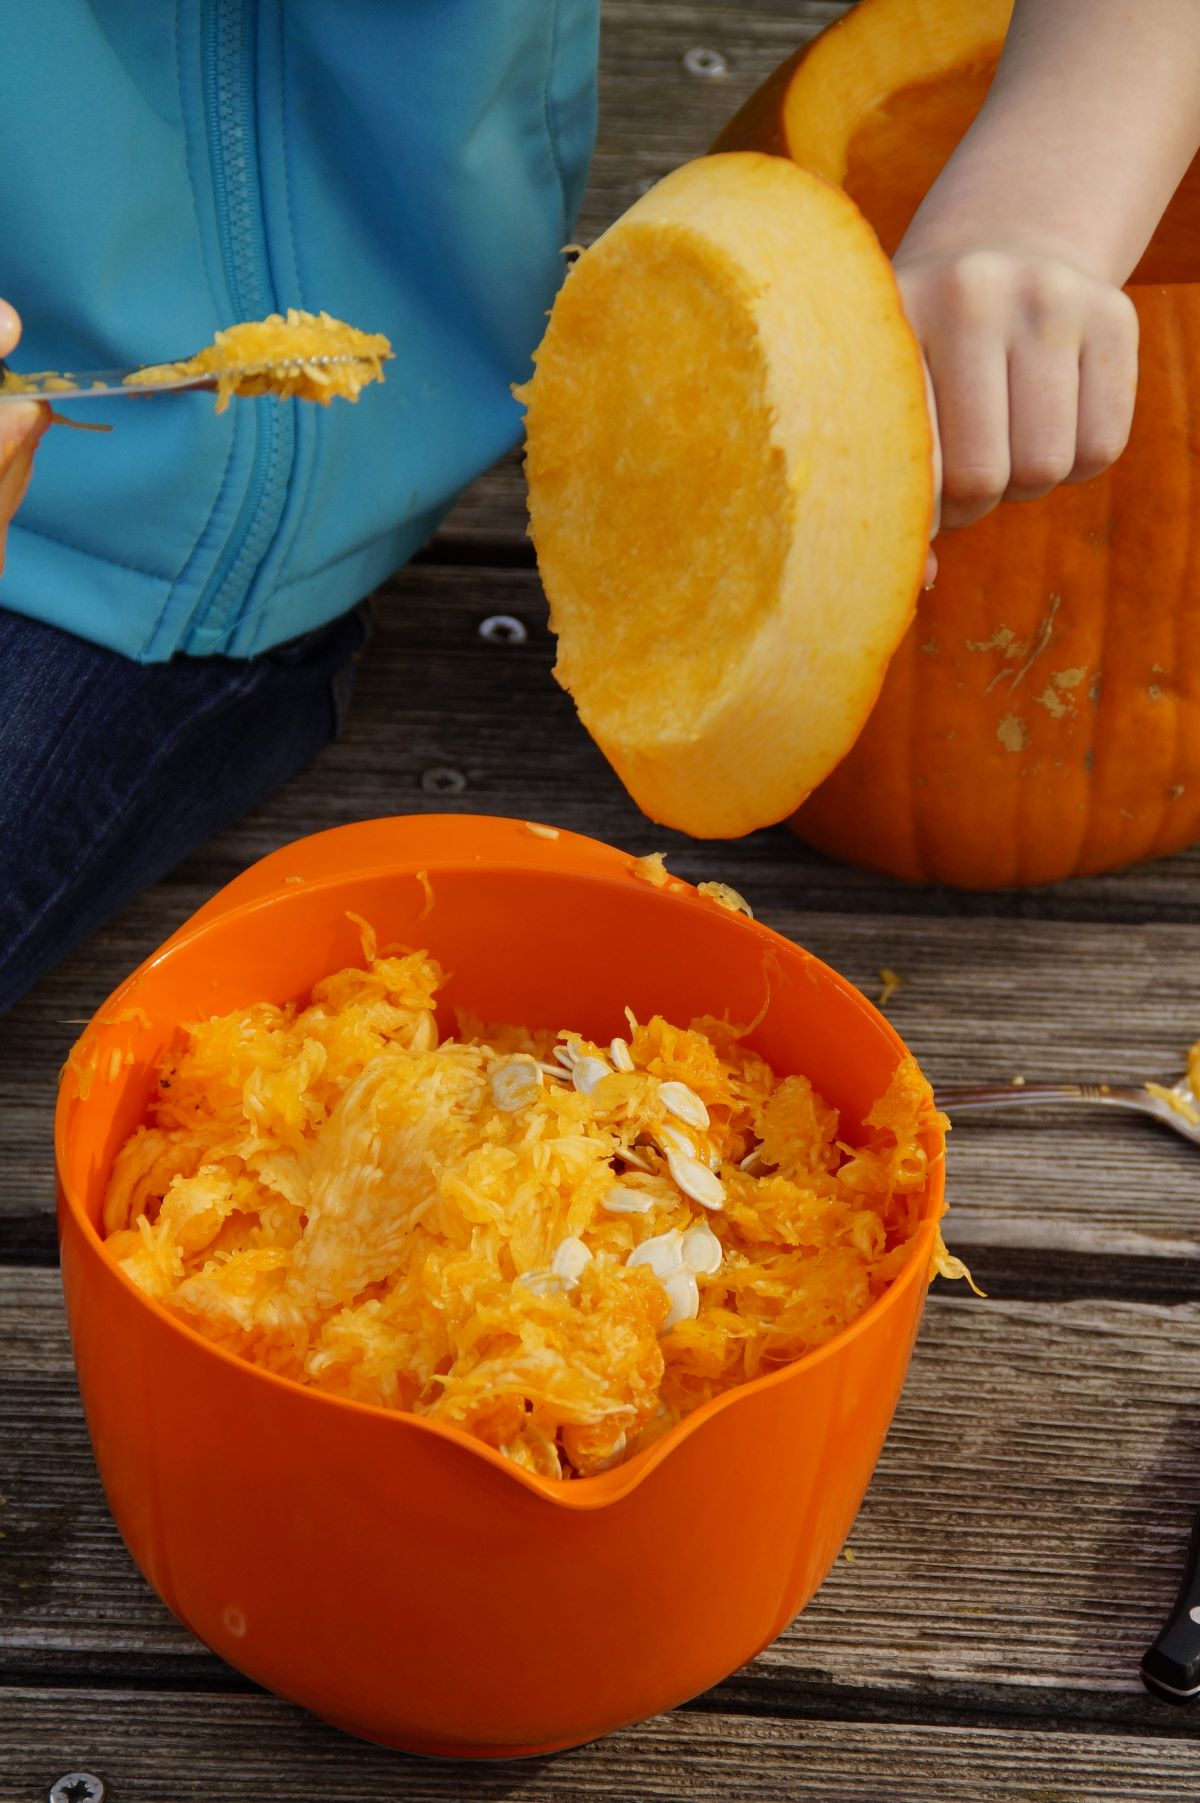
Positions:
{"x": 729, "y": 465}
{"x": 810, "y": 106}
{"x": 1042, "y": 717}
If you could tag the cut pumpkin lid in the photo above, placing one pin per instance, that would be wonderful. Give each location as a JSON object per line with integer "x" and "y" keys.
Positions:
{"x": 730, "y": 488}
{"x": 810, "y": 107}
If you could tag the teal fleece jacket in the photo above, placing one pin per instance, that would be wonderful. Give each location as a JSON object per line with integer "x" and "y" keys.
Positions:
{"x": 173, "y": 166}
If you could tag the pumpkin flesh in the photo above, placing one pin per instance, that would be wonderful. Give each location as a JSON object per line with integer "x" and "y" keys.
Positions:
{"x": 728, "y": 456}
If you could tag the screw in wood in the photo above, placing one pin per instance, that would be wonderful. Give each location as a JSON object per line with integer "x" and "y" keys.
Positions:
{"x": 503, "y": 629}
{"x": 439, "y": 781}
{"x": 78, "y": 1787}
{"x": 709, "y": 65}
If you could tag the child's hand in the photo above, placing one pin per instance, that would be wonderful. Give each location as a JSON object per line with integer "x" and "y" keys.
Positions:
{"x": 21, "y": 426}
{"x": 1033, "y": 365}
{"x": 1012, "y": 267}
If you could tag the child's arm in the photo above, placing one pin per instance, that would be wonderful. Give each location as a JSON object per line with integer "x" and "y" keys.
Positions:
{"x": 21, "y": 426}
{"x": 1011, "y": 270}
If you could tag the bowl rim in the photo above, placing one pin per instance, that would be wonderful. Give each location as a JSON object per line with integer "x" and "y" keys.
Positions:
{"x": 602, "y": 1488}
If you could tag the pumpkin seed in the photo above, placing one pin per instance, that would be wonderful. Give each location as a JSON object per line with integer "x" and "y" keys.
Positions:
{"x": 702, "y": 1250}
{"x": 662, "y": 1253}
{"x": 613, "y": 1454}
{"x": 683, "y": 1293}
{"x": 565, "y": 1057}
{"x": 725, "y": 897}
{"x": 621, "y": 1056}
{"x": 514, "y": 1085}
{"x": 683, "y": 1103}
{"x": 624, "y": 1201}
{"x": 543, "y": 1283}
{"x": 696, "y": 1180}
{"x": 570, "y": 1261}
{"x": 587, "y": 1072}
{"x": 675, "y": 1141}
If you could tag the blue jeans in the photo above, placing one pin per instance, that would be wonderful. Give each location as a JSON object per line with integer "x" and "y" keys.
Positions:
{"x": 110, "y": 771}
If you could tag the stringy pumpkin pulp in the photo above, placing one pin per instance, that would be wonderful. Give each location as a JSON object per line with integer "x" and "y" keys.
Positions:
{"x": 334, "y": 1195}
{"x": 278, "y": 356}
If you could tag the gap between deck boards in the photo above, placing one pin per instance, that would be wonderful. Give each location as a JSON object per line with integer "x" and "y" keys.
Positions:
{"x": 764, "y": 1695}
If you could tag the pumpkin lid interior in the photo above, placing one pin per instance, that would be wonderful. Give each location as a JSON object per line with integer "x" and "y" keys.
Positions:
{"x": 730, "y": 481}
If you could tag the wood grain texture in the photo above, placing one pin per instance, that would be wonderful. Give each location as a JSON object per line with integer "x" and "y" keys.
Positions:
{"x": 994, "y": 986}
{"x": 194, "y": 1749}
{"x": 1019, "y": 1547}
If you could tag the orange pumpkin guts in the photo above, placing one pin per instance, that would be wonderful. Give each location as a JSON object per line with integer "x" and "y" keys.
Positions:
{"x": 560, "y": 1247}
{"x": 1042, "y": 717}
{"x": 309, "y": 355}
{"x": 729, "y": 464}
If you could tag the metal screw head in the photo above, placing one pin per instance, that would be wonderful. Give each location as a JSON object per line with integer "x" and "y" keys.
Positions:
{"x": 441, "y": 781}
{"x": 78, "y": 1787}
{"x": 709, "y": 65}
{"x": 503, "y": 629}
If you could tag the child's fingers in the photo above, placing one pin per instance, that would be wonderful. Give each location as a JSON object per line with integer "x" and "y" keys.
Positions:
{"x": 1043, "y": 399}
{"x": 15, "y": 480}
{"x": 21, "y": 428}
{"x": 1108, "y": 370}
{"x": 13, "y": 484}
{"x": 10, "y": 328}
{"x": 21, "y": 422}
{"x": 935, "y": 519}
{"x": 935, "y": 523}
{"x": 970, "y": 382}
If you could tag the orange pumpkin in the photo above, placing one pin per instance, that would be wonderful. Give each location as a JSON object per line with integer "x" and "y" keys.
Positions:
{"x": 1042, "y": 717}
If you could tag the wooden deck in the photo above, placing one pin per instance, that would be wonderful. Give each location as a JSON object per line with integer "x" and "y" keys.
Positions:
{"x": 1026, "y": 1528}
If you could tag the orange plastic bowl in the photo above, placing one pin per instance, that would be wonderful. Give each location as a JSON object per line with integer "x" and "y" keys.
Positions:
{"x": 396, "y": 1576}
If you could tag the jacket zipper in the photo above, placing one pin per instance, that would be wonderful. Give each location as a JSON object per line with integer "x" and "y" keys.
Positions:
{"x": 229, "y": 28}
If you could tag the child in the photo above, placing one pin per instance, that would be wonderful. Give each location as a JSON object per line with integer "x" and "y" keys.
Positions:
{"x": 179, "y": 604}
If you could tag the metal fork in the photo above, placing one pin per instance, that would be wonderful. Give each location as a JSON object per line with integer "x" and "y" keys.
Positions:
{"x": 966, "y": 1098}
{"x": 105, "y": 384}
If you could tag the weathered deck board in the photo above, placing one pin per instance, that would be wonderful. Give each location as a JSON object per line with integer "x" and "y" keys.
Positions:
{"x": 1021, "y": 1542}
{"x": 193, "y": 1749}
{"x": 653, "y": 113}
